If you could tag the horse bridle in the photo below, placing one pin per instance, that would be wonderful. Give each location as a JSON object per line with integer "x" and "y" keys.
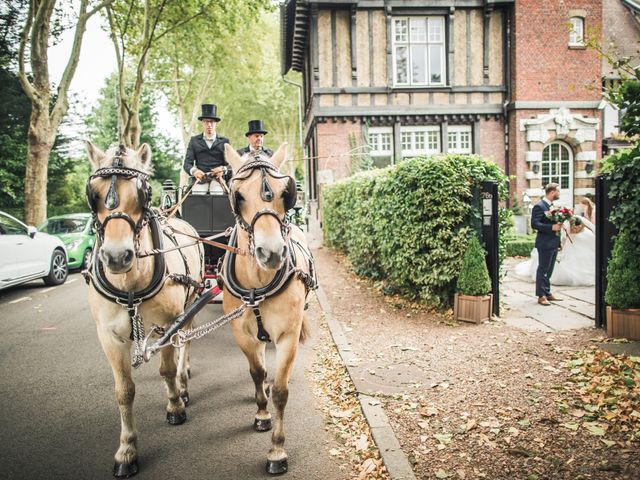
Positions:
{"x": 112, "y": 200}
{"x": 266, "y": 193}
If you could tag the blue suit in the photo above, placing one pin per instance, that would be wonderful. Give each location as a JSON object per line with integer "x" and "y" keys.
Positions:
{"x": 547, "y": 243}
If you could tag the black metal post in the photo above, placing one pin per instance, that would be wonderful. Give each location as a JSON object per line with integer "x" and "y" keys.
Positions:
{"x": 491, "y": 237}
{"x": 605, "y": 231}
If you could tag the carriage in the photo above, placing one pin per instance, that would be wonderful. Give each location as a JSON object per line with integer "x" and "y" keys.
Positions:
{"x": 211, "y": 216}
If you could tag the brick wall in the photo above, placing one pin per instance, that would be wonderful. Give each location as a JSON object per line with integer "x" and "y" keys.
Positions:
{"x": 492, "y": 141}
{"x": 544, "y": 67}
{"x": 334, "y": 146}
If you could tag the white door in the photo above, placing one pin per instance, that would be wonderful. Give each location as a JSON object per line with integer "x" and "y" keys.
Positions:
{"x": 557, "y": 167}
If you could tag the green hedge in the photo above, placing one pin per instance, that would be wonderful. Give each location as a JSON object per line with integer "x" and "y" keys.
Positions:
{"x": 623, "y": 270}
{"x": 410, "y": 224}
{"x": 520, "y": 245}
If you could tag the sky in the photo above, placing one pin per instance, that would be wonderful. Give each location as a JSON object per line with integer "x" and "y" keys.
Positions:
{"x": 97, "y": 62}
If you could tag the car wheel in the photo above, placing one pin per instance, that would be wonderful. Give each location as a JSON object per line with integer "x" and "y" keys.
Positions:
{"x": 59, "y": 269}
{"x": 86, "y": 258}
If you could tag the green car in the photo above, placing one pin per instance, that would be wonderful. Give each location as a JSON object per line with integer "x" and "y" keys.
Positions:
{"x": 77, "y": 233}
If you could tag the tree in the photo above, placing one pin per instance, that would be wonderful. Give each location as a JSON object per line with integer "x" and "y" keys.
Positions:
{"x": 46, "y": 114}
{"x": 241, "y": 75}
{"x": 101, "y": 127}
{"x": 137, "y": 28}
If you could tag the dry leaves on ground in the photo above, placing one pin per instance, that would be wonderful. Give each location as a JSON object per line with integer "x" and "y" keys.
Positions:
{"x": 338, "y": 400}
{"x": 604, "y": 394}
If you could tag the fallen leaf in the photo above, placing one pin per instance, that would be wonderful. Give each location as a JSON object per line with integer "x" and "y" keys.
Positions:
{"x": 442, "y": 474}
{"x": 443, "y": 438}
{"x": 594, "y": 429}
{"x": 608, "y": 443}
{"x": 570, "y": 426}
{"x": 362, "y": 443}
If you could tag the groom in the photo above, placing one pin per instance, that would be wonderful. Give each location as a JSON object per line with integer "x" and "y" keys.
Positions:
{"x": 547, "y": 243}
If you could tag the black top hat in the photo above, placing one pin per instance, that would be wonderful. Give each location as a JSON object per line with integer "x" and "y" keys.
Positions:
{"x": 209, "y": 111}
{"x": 255, "y": 126}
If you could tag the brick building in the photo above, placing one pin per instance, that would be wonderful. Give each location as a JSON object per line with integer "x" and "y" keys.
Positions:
{"x": 506, "y": 79}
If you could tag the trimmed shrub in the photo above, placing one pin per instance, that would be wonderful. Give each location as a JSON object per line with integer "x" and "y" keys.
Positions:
{"x": 520, "y": 245}
{"x": 474, "y": 275}
{"x": 623, "y": 274}
{"x": 409, "y": 225}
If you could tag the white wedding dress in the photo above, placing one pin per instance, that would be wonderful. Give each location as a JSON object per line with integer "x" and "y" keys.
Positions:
{"x": 576, "y": 262}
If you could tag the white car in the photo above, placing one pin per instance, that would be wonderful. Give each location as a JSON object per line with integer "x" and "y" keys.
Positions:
{"x": 26, "y": 254}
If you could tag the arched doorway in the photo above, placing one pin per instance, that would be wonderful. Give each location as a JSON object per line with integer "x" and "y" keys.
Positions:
{"x": 557, "y": 167}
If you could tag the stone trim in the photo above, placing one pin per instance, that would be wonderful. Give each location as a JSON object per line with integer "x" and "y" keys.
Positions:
{"x": 545, "y": 105}
{"x": 586, "y": 156}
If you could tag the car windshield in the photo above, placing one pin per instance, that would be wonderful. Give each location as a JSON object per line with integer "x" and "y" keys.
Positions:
{"x": 64, "y": 225}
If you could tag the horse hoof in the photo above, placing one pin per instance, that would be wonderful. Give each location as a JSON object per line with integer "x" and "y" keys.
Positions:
{"x": 185, "y": 399}
{"x": 176, "y": 418}
{"x": 262, "y": 425}
{"x": 125, "y": 470}
{"x": 277, "y": 467}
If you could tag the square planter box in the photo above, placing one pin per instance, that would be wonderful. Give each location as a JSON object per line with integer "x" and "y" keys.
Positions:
{"x": 623, "y": 323}
{"x": 472, "y": 309}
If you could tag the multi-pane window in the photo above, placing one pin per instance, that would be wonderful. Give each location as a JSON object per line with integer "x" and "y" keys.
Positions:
{"x": 418, "y": 141}
{"x": 556, "y": 165}
{"x": 459, "y": 139}
{"x": 576, "y": 34}
{"x": 418, "y": 51}
{"x": 380, "y": 140}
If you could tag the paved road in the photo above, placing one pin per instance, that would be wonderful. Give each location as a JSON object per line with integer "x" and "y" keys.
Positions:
{"x": 59, "y": 417}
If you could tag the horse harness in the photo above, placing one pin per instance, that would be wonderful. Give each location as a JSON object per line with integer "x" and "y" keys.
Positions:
{"x": 252, "y": 297}
{"x": 95, "y": 273}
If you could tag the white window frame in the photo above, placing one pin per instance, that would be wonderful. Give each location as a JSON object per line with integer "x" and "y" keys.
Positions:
{"x": 553, "y": 166}
{"x": 415, "y": 149}
{"x": 375, "y": 141}
{"x": 576, "y": 34}
{"x": 462, "y": 136}
{"x": 427, "y": 42}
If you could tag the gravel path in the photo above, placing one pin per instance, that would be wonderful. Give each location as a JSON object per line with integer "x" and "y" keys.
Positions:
{"x": 480, "y": 401}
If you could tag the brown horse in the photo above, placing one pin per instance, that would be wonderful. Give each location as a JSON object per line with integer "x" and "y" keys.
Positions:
{"x": 273, "y": 280}
{"x": 128, "y": 293}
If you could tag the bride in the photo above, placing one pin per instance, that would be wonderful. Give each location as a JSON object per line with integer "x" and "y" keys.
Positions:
{"x": 576, "y": 262}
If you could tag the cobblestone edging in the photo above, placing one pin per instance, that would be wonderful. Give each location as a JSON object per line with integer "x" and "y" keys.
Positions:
{"x": 392, "y": 454}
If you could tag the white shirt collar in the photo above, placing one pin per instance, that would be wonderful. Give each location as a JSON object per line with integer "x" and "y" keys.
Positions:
{"x": 212, "y": 139}
{"x": 546, "y": 200}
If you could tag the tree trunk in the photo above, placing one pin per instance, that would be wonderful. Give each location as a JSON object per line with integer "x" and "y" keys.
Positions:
{"x": 39, "y": 146}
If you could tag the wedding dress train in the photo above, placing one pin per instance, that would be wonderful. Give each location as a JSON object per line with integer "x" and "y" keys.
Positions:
{"x": 576, "y": 262}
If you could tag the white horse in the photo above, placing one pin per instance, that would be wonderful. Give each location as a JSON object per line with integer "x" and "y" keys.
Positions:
{"x": 124, "y": 287}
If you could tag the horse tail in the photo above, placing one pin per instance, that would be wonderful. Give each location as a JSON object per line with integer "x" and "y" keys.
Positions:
{"x": 305, "y": 332}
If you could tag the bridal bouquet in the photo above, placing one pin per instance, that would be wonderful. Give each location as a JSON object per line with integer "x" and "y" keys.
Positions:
{"x": 561, "y": 215}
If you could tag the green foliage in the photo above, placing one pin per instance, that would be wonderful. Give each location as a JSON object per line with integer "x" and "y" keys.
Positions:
{"x": 520, "y": 245}
{"x": 474, "y": 275}
{"x": 101, "y": 128}
{"x": 623, "y": 170}
{"x": 409, "y": 225}
{"x": 623, "y": 273}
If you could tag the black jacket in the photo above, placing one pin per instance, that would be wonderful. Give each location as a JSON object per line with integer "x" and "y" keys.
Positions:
{"x": 205, "y": 158}
{"x": 246, "y": 149}
{"x": 546, "y": 238}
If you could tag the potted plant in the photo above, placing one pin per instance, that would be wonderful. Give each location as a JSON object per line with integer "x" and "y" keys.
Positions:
{"x": 473, "y": 301}
{"x": 623, "y": 291}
